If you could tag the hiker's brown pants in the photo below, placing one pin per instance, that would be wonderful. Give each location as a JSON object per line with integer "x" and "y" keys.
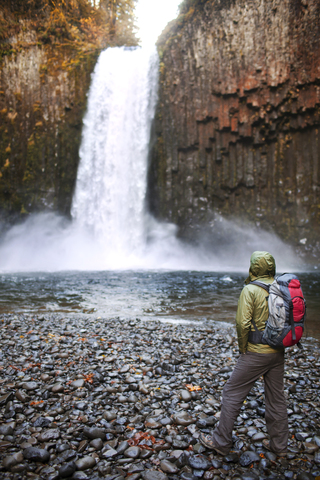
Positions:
{"x": 249, "y": 368}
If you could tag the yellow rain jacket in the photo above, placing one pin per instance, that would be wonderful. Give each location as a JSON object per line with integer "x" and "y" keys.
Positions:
{"x": 253, "y": 302}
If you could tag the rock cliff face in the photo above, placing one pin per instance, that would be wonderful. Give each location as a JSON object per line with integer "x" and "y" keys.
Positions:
{"x": 237, "y": 125}
{"x": 42, "y": 102}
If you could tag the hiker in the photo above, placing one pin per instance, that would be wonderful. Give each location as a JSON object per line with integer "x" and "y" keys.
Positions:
{"x": 255, "y": 360}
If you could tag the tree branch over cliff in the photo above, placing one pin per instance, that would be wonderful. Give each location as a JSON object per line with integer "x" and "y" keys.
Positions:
{"x": 101, "y": 23}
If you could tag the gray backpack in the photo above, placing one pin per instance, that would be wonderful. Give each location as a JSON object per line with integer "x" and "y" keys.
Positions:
{"x": 287, "y": 312}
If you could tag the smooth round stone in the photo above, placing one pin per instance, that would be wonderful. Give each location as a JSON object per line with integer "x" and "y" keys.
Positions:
{"x": 42, "y": 422}
{"x": 135, "y": 468}
{"x": 249, "y": 476}
{"x": 216, "y": 463}
{"x": 121, "y": 421}
{"x": 80, "y": 476}
{"x": 187, "y": 476}
{"x": 62, "y": 447}
{"x": 180, "y": 444}
{"x": 110, "y": 415}
{"x": 153, "y": 475}
{"x": 63, "y": 355}
{"x": 310, "y": 447}
{"x": 19, "y": 468}
{"x": 168, "y": 467}
{"x": 209, "y": 475}
{"x": 151, "y": 423}
{"x": 21, "y": 396}
{"x": 247, "y": 458}
{"x": 183, "y": 460}
{"x": 176, "y": 453}
{"x": 317, "y": 457}
{"x": 198, "y": 473}
{"x": 302, "y": 436}
{"x": 49, "y": 435}
{"x": 270, "y": 456}
{"x": 29, "y": 385}
{"x": 145, "y": 453}
{"x": 231, "y": 458}
{"x": 202, "y": 423}
{"x": 132, "y": 399}
{"x": 166, "y": 421}
{"x": 185, "y": 396}
{"x": 94, "y": 432}
{"x": 122, "y": 399}
{"x": 67, "y": 469}
{"x": 198, "y": 448}
{"x": 122, "y": 447}
{"x": 124, "y": 369}
{"x": 239, "y": 444}
{"x": 130, "y": 379}
{"x": 143, "y": 389}
{"x": 257, "y": 437}
{"x": 199, "y": 462}
{"x": 305, "y": 476}
{"x": 109, "y": 453}
{"x": 184, "y": 419}
{"x": 57, "y": 388}
{"x": 67, "y": 455}
{"x": 264, "y": 464}
{"x": 12, "y": 460}
{"x": 132, "y": 452}
{"x": 78, "y": 383}
{"x": 35, "y": 454}
{"x": 6, "y": 429}
{"x": 85, "y": 463}
{"x": 49, "y": 473}
{"x": 97, "y": 443}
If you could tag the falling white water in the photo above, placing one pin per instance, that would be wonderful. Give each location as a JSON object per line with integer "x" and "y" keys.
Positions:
{"x": 111, "y": 184}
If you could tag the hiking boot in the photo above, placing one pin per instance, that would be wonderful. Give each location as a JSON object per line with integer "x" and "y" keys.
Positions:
{"x": 206, "y": 441}
{"x": 266, "y": 445}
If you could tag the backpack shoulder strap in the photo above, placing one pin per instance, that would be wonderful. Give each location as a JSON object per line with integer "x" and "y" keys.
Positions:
{"x": 256, "y": 336}
{"x": 260, "y": 284}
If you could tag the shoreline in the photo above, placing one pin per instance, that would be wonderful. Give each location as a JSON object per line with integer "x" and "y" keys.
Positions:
{"x": 108, "y": 398}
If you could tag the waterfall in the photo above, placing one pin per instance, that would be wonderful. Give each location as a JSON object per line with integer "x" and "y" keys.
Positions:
{"x": 109, "y": 199}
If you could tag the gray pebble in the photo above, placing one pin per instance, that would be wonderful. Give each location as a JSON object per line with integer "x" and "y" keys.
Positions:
{"x": 85, "y": 463}
{"x": 35, "y": 454}
{"x": 132, "y": 452}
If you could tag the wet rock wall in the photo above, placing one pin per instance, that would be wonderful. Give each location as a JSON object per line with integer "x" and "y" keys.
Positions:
{"x": 43, "y": 93}
{"x": 237, "y": 124}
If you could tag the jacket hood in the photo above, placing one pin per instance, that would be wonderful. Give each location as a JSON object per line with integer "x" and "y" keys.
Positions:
{"x": 262, "y": 264}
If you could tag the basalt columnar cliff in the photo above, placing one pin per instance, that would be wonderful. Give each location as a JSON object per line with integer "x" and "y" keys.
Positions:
{"x": 237, "y": 124}
{"x": 42, "y": 103}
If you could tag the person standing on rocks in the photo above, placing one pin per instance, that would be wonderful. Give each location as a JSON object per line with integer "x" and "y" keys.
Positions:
{"x": 255, "y": 360}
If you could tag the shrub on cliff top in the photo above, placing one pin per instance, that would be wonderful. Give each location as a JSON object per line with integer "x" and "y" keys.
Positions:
{"x": 101, "y": 22}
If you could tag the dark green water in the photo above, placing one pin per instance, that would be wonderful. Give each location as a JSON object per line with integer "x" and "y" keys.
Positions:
{"x": 164, "y": 295}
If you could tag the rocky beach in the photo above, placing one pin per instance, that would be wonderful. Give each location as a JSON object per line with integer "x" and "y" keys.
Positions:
{"x": 85, "y": 397}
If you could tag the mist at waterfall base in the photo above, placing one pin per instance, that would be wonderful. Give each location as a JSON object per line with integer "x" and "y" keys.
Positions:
{"x": 47, "y": 242}
{"x": 111, "y": 228}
